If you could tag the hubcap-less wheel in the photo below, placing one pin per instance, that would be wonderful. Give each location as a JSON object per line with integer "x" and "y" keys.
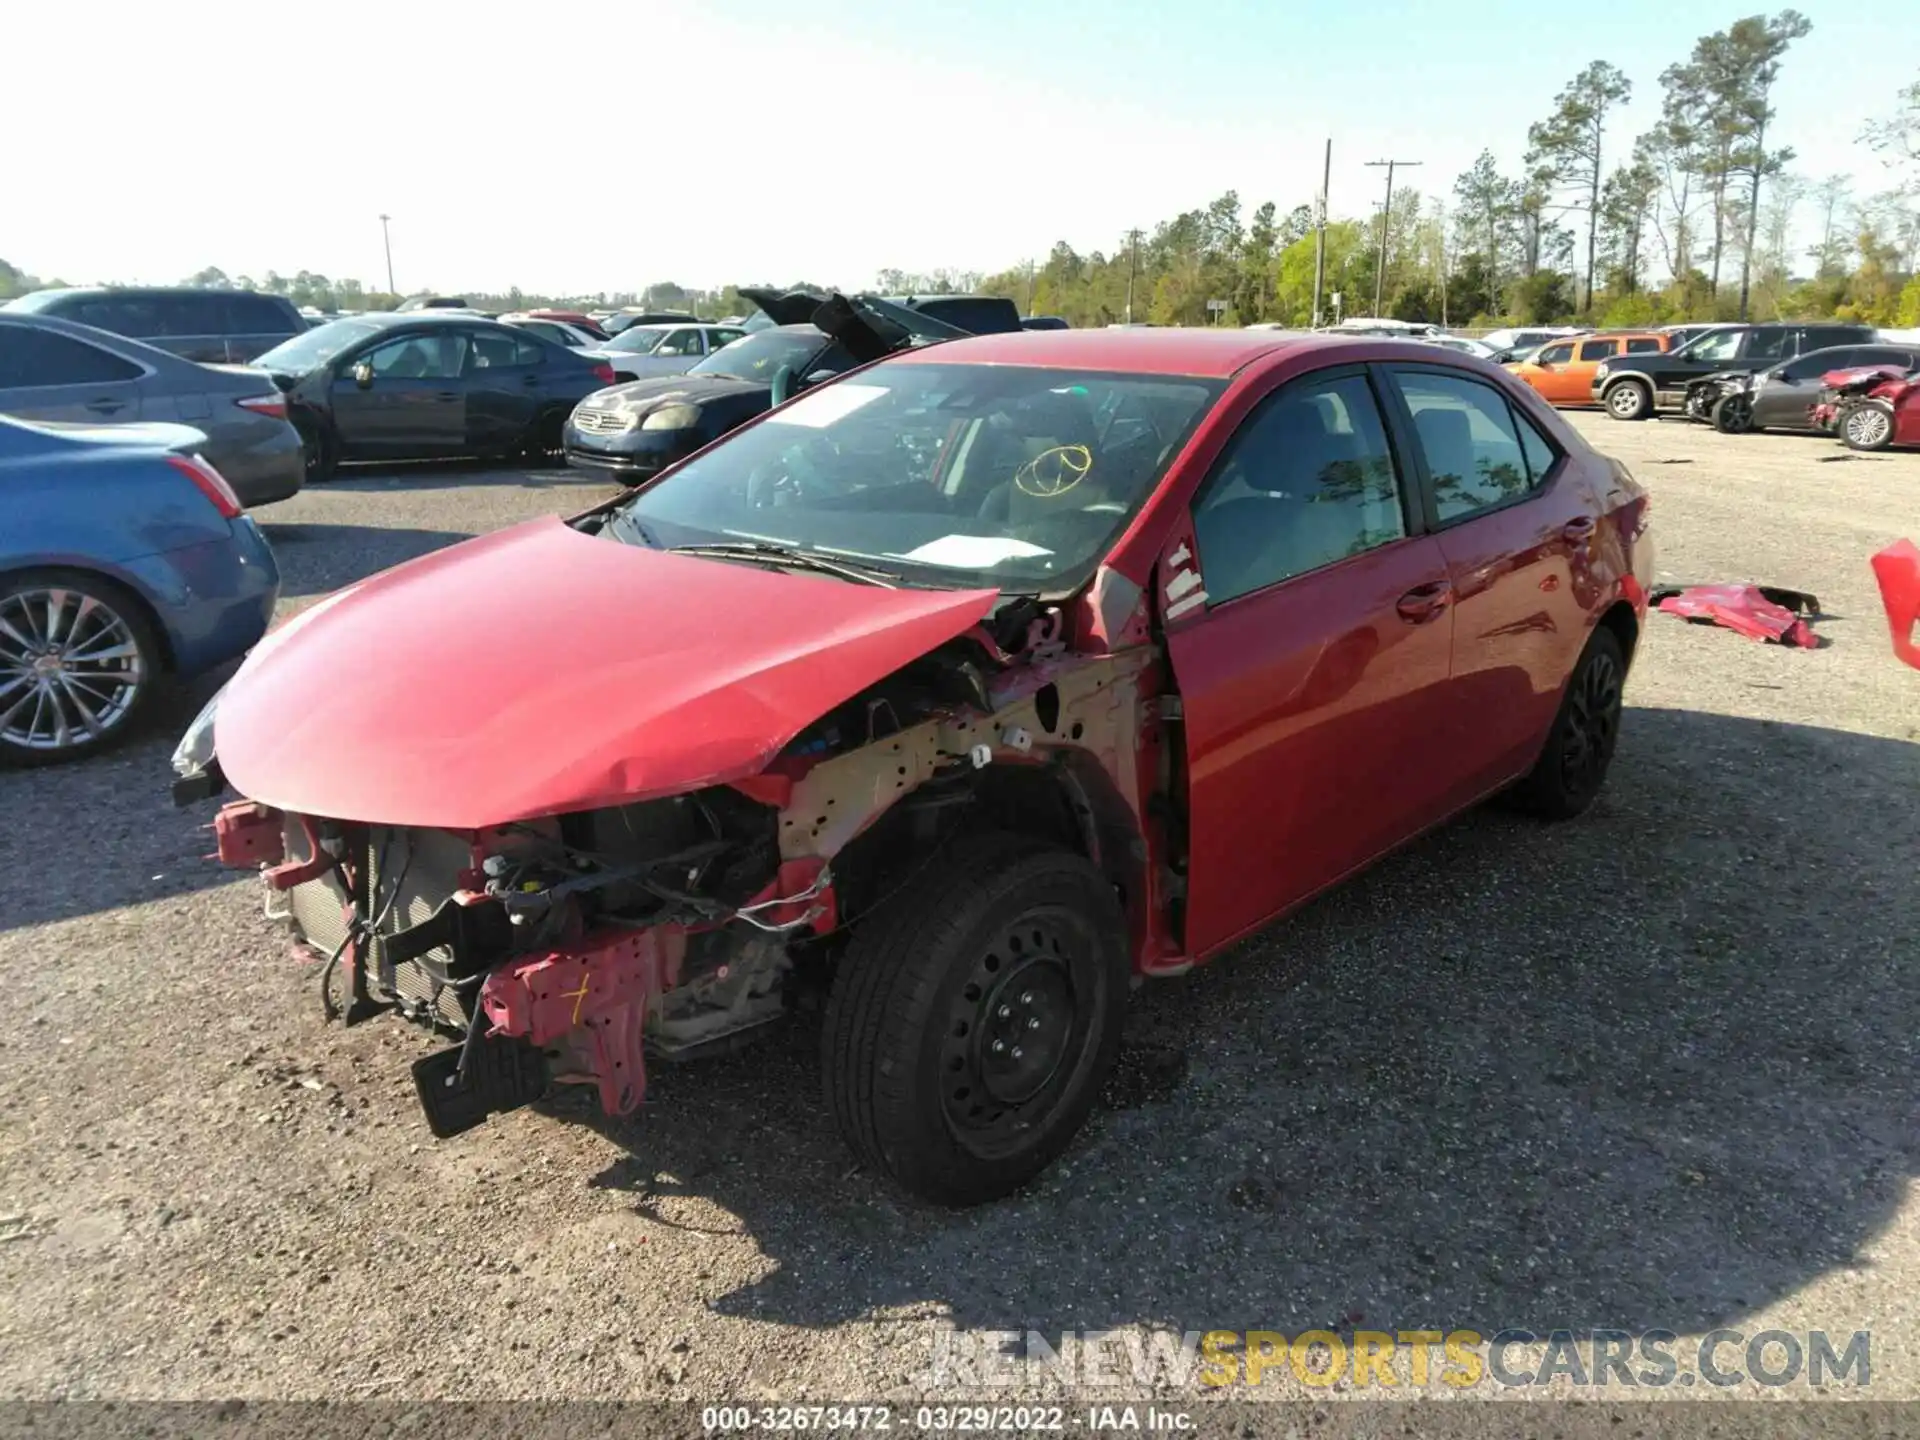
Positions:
{"x": 1869, "y": 427}
{"x": 1626, "y": 402}
{"x": 71, "y": 669}
{"x": 1591, "y": 723}
{"x": 1012, "y": 1029}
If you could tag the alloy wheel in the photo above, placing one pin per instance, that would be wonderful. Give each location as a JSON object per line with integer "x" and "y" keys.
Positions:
{"x": 1869, "y": 427}
{"x": 1625, "y": 402}
{"x": 71, "y": 668}
{"x": 1592, "y": 722}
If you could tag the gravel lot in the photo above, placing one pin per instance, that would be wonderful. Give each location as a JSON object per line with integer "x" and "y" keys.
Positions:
{"x": 1653, "y": 1069}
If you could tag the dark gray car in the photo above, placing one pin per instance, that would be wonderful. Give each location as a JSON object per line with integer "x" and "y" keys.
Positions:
{"x": 215, "y": 326}
{"x": 56, "y": 371}
{"x": 1778, "y": 399}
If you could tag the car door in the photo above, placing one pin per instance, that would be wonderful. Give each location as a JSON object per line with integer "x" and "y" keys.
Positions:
{"x": 1781, "y": 395}
{"x": 45, "y": 375}
{"x": 1576, "y": 377}
{"x": 1310, "y": 635}
{"x": 1514, "y": 529}
{"x": 403, "y": 397}
{"x": 502, "y": 383}
{"x": 1543, "y": 372}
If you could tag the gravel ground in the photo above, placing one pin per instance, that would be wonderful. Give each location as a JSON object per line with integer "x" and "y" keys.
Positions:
{"x": 1652, "y": 1069}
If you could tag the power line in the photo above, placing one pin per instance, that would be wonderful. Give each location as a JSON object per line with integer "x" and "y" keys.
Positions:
{"x": 1386, "y": 212}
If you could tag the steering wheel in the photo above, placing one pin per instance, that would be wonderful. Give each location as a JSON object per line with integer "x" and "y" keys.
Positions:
{"x": 1054, "y": 471}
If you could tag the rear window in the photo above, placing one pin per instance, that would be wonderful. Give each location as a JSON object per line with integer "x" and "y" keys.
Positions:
{"x": 257, "y": 315}
{"x": 1643, "y": 345}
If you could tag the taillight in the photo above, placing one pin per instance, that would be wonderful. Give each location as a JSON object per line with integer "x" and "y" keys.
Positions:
{"x": 603, "y": 372}
{"x": 209, "y": 482}
{"x": 273, "y": 405}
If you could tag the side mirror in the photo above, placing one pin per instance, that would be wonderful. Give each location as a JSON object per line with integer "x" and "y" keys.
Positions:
{"x": 362, "y": 373}
{"x": 815, "y": 377}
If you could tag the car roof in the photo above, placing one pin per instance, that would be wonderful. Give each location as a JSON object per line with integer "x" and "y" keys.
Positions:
{"x": 1169, "y": 350}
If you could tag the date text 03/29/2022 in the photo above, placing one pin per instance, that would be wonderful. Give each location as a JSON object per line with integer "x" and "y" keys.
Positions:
{"x": 945, "y": 1419}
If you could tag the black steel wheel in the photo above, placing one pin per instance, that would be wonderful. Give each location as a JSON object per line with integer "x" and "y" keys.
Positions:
{"x": 1579, "y": 750}
{"x": 974, "y": 1018}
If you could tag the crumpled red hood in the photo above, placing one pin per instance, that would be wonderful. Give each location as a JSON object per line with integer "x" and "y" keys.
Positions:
{"x": 540, "y": 670}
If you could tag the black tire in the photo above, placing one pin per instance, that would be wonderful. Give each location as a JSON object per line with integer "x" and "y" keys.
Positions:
{"x": 103, "y": 690}
{"x": 319, "y": 450}
{"x": 1628, "y": 400}
{"x": 1867, "y": 425}
{"x": 1573, "y": 764}
{"x": 1002, "y": 937}
{"x": 547, "y": 436}
{"x": 1733, "y": 415}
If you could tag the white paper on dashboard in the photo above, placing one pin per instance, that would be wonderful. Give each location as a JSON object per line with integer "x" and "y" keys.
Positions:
{"x": 823, "y": 407}
{"x": 972, "y": 552}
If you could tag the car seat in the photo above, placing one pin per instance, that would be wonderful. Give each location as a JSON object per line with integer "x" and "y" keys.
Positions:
{"x": 1038, "y": 424}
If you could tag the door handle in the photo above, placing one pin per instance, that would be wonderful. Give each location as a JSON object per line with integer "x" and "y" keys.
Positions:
{"x": 1425, "y": 602}
{"x": 106, "y": 407}
{"x": 532, "y": 382}
{"x": 448, "y": 395}
{"x": 1578, "y": 530}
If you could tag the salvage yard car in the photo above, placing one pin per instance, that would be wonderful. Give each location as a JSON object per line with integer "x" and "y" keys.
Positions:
{"x": 974, "y": 686}
{"x": 1785, "y": 396}
{"x": 426, "y": 384}
{"x": 1639, "y": 386}
{"x": 638, "y": 428}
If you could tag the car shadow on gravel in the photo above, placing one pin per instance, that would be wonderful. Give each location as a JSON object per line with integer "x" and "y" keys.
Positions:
{"x": 444, "y": 474}
{"x": 1652, "y": 1069}
{"x": 317, "y": 557}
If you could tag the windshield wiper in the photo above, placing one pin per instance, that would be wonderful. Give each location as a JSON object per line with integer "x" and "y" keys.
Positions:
{"x": 786, "y": 555}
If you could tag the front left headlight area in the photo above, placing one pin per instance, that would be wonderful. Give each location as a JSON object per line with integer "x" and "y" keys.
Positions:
{"x": 193, "y": 758}
{"x": 672, "y": 417}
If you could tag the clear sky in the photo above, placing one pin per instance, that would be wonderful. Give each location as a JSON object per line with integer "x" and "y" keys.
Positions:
{"x": 571, "y": 147}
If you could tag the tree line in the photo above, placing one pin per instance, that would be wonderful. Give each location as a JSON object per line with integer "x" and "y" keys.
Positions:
{"x": 1694, "y": 218}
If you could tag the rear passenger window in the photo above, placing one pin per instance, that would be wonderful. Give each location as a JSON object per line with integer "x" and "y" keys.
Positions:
{"x": 179, "y": 315}
{"x": 1643, "y": 345}
{"x": 1591, "y": 350}
{"x": 492, "y": 351}
{"x": 31, "y": 357}
{"x": 1308, "y": 480}
{"x": 1471, "y": 441}
{"x": 256, "y": 315}
{"x": 525, "y": 352}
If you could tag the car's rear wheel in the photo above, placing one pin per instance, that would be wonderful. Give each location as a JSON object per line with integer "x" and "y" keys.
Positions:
{"x": 1628, "y": 400}
{"x": 78, "y": 662}
{"x": 1573, "y": 764}
{"x": 1733, "y": 414}
{"x": 974, "y": 1018}
{"x": 1867, "y": 425}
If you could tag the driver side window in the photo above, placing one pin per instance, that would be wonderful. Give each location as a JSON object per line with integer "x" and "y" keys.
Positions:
{"x": 1307, "y": 481}
{"x": 419, "y": 357}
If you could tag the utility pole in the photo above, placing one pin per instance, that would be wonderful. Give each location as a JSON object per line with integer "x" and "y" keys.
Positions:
{"x": 1133, "y": 261}
{"x": 1320, "y": 235}
{"x": 387, "y": 241}
{"x": 1386, "y": 212}
{"x": 1029, "y": 289}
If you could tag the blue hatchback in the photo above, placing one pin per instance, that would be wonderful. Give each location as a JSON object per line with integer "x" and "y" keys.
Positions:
{"x": 124, "y": 558}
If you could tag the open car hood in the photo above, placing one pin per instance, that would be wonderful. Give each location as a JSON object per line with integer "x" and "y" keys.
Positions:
{"x": 867, "y": 325}
{"x": 541, "y": 670}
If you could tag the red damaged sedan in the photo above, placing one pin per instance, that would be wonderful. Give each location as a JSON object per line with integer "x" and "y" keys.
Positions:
{"x": 974, "y": 686}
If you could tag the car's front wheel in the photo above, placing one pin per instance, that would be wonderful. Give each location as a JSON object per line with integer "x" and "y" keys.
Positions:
{"x": 1573, "y": 763}
{"x": 1867, "y": 425}
{"x": 974, "y": 1018}
{"x": 78, "y": 661}
{"x": 1733, "y": 414}
{"x": 1629, "y": 400}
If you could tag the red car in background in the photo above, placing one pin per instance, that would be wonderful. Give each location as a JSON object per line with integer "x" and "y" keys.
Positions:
{"x": 1887, "y": 413}
{"x": 973, "y": 686}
